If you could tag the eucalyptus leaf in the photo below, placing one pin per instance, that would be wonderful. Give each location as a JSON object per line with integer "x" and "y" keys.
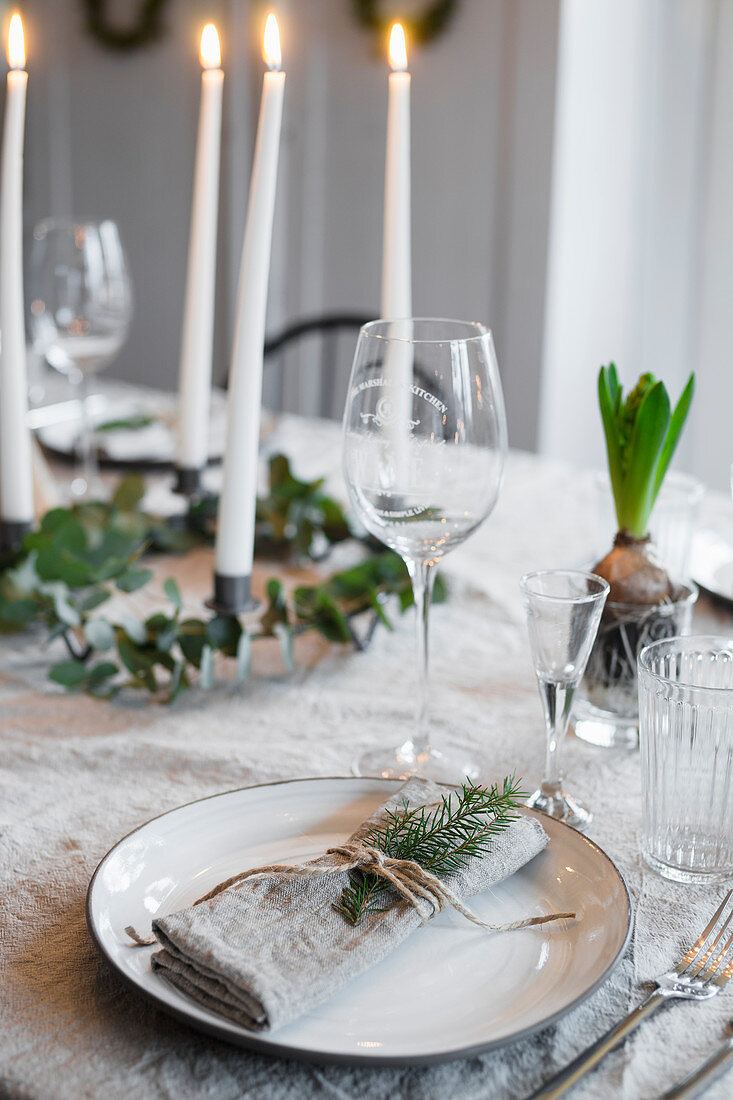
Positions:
{"x": 173, "y": 593}
{"x": 94, "y": 598}
{"x": 64, "y": 609}
{"x": 134, "y": 629}
{"x": 132, "y": 423}
{"x": 206, "y": 676}
{"x": 105, "y": 670}
{"x": 192, "y": 639}
{"x": 133, "y": 579}
{"x": 129, "y": 493}
{"x": 18, "y": 611}
{"x": 133, "y": 656}
{"x": 100, "y": 634}
{"x": 71, "y": 674}
{"x": 244, "y": 658}
{"x": 284, "y": 635}
{"x": 223, "y": 632}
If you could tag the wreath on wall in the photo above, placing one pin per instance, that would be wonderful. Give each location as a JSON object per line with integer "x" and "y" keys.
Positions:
{"x": 422, "y": 26}
{"x": 146, "y": 28}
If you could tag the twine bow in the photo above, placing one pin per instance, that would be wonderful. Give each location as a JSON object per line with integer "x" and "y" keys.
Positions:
{"x": 415, "y": 884}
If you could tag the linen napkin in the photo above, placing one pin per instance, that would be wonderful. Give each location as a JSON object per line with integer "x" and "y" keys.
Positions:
{"x": 267, "y": 950}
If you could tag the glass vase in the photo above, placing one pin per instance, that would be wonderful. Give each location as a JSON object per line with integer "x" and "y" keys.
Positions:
{"x": 607, "y": 707}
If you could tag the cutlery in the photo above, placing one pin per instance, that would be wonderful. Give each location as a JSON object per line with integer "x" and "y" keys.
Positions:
{"x": 699, "y": 975}
{"x": 700, "y": 1079}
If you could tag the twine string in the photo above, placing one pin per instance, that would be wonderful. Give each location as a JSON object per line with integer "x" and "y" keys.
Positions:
{"x": 414, "y": 883}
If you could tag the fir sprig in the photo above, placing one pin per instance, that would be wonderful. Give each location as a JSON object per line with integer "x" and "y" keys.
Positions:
{"x": 441, "y": 840}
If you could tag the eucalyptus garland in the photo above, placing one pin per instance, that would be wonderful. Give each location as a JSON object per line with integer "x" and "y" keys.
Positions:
{"x": 81, "y": 556}
{"x": 145, "y": 29}
{"x": 422, "y": 26}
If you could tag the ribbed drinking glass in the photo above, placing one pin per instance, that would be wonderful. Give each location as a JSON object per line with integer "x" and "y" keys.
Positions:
{"x": 686, "y": 735}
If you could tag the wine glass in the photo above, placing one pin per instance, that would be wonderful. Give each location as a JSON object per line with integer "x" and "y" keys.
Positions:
{"x": 563, "y": 608}
{"x": 81, "y": 309}
{"x": 424, "y": 450}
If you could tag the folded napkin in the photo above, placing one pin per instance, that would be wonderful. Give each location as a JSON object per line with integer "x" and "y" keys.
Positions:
{"x": 270, "y": 948}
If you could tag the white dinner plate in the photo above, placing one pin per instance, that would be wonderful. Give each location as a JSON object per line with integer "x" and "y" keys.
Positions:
{"x": 58, "y": 427}
{"x": 448, "y": 991}
{"x": 711, "y": 563}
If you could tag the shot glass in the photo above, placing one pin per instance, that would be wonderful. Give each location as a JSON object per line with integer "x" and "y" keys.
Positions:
{"x": 686, "y": 736}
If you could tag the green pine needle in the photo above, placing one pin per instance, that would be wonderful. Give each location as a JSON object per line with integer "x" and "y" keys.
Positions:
{"x": 442, "y": 840}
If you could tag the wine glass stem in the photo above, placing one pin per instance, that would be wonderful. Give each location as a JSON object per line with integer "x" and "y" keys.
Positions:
{"x": 85, "y": 446}
{"x": 422, "y": 575}
{"x": 557, "y": 700}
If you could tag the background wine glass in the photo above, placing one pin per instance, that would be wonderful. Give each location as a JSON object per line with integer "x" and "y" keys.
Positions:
{"x": 424, "y": 450}
{"x": 81, "y": 309}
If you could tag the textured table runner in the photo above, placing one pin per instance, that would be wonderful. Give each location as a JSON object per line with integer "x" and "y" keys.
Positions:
{"x": 77, "y": 774}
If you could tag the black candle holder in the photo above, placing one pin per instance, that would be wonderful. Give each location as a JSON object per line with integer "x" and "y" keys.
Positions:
{"x": 12, "y": 533}
{"x": 189, "y": 483}
{"x": 233, "y": 595}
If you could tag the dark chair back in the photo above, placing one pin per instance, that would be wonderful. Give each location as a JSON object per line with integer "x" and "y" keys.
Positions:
{"x": 316, "y": 352}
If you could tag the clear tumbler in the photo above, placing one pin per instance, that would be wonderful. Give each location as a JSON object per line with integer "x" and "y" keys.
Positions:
{"x": 686, "y": 733}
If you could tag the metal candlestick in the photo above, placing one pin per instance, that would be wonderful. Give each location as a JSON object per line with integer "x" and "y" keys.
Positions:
{"x": 12, "y": 533}
{"x": 232, "y": 595}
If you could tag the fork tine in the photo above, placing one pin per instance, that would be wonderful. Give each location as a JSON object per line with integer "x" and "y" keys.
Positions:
{"x": 695, "y": 949}
{"x": 702, "y": 963}
{"x": 717, "y": 973}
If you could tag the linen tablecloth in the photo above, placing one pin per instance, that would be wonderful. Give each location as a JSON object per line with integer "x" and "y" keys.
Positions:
{"x": 77, "y": 774}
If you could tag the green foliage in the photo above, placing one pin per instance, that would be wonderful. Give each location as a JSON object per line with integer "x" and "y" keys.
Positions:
{"x": 297, "y": 515}
{"x": 81, "y": 556}
{"x": 132, "y": 423}
{"x": 641, "y": 433}
{"x": 442, "y": 840}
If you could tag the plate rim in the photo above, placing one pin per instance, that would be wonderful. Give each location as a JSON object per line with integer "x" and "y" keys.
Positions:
{"x": 253, "y": 1040}
{"x": 716, "y": 593}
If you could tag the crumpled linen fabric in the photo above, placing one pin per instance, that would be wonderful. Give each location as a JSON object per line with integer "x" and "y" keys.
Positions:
{"x": 77, "y": 774}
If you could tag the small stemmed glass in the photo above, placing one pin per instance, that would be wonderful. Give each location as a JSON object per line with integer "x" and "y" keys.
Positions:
{"x": 563, "y": 609}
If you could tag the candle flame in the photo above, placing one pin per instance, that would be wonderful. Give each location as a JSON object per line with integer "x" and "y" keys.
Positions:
{"x": 16, "y": 43}
{"x": 210, "y": 48}
{"x": 271, "y": 44}
{"x": 397, "y": 49}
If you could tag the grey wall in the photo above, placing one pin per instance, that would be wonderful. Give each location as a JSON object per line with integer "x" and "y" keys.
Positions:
{"x": 114, "y": 135}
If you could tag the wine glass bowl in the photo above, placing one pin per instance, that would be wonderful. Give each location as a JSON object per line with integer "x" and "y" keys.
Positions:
{"x": 81, "y": 309}
{"x": 424, "y": 450}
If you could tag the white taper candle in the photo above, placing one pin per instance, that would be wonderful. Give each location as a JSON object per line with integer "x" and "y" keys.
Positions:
{"x": 396, "y": 258}
{"x": 236, "y": 522}
{"x": 396, "y": 255}
{"x": 198, "y": 317}
{"x": 16, "y": 478}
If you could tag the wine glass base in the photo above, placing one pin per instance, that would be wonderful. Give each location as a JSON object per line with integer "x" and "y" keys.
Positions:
{"x": 435, "y": 764}
{"x": 562, "y": 807}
